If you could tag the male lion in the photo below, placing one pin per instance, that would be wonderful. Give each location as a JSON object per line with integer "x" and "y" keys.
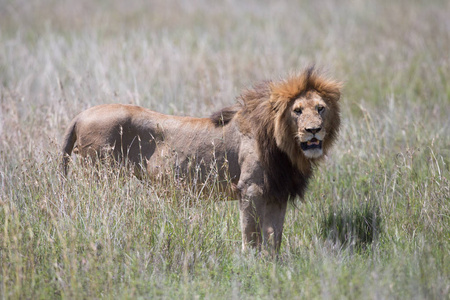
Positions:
{"x": 267, "y": 144}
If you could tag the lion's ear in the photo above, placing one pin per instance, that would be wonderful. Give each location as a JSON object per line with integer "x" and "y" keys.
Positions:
{"x": 332, "y": 90}
{"x": 336, "y": 95}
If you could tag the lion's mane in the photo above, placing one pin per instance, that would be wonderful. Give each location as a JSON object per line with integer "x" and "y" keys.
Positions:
{"x": 263, "y": 113}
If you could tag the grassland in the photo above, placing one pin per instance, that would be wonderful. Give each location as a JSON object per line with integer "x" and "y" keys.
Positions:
{"x": 375, "y": 223}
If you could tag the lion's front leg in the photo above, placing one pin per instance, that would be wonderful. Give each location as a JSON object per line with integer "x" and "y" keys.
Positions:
{"x": 261, "y": 223}
{"x": 272, "y": 226}
{"x": 251, "y": 217}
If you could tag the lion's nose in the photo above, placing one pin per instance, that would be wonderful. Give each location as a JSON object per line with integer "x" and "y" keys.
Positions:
{"x": 314, "y": 130}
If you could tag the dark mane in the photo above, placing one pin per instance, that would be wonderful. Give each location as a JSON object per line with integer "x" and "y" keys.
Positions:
{"x": 282, "y": 180}
{"x": 224, "y": 116}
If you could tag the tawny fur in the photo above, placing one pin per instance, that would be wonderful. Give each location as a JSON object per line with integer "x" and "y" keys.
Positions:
{"x": 257, "y": 144}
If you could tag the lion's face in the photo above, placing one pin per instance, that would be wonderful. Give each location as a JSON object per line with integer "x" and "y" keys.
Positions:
{"x": 307, "y": 114}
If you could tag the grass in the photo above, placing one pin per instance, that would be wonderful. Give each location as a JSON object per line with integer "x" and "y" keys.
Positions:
{"x": 375, "y": 222}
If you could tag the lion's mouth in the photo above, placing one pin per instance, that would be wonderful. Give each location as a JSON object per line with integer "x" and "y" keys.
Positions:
{"x": 311, "y": 144}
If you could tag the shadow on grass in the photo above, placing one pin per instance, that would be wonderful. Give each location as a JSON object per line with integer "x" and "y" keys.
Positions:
{"x": 356, "y": 227}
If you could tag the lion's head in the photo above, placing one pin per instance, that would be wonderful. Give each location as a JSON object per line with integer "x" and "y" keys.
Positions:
{"x": 306, "y": 115}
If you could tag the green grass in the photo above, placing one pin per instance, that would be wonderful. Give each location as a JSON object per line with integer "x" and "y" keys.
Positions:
{"x": 375, "y": 221}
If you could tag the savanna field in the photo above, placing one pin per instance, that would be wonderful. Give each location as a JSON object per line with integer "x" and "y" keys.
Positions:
{"x": 374, "y": 223}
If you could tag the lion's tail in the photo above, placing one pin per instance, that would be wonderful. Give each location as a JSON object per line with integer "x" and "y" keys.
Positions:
{"x": 69, "y": 140}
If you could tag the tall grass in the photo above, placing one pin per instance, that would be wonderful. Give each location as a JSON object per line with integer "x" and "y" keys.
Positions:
{"x": 375, "y": 221}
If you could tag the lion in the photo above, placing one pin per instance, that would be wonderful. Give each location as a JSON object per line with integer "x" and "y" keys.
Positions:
{"x": 267, "y": 145}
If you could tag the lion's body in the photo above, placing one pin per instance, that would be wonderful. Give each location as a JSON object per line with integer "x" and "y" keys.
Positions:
{"x": 266, "y": 146}
{"x": 153, "y": 141}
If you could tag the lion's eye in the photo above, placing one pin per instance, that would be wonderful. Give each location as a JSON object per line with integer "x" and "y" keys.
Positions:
{"x": 320, "y": 109}
{"x": 298, "y": 110}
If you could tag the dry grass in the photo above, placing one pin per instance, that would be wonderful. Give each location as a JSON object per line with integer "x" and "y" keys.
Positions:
{"x": 110, "y": 235}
